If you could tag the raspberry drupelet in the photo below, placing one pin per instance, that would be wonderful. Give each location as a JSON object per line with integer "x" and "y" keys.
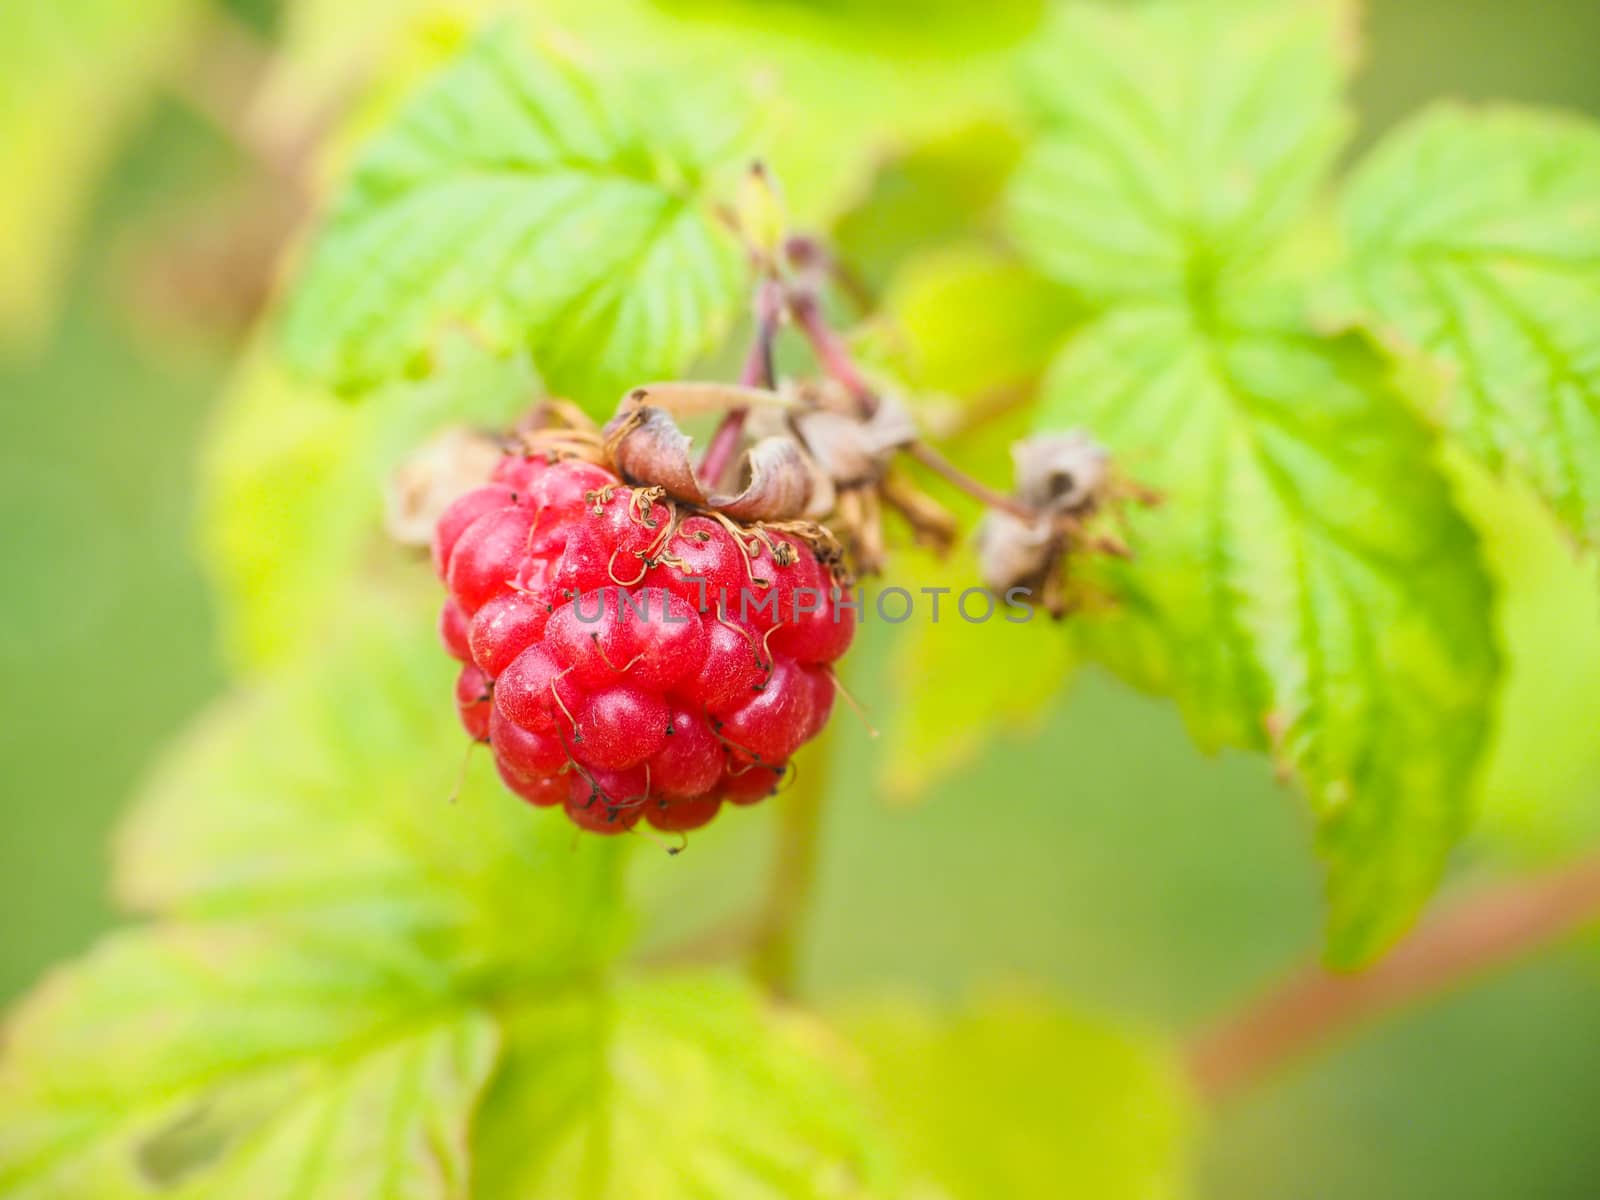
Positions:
{"x": 627, "y": 660}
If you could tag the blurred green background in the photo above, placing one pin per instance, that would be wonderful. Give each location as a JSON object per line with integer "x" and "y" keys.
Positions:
{"x": 1160, "y": 885}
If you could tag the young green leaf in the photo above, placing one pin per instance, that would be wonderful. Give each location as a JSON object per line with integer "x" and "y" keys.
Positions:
{"x": 1541, "y": 786}
{"x": 243, "y": 1064}
{"x": 71, "y": 77}
{"x": 1476, "y": 235}
{"x": 843, "y": 85}
{"x": 967, "y": 328}
{"x": 677, "y": 1087}
{"x": 1306, "y": 586}
{"x": 947, "y": 189}
{"x": 212, "y": 1060}
{"x": 519, "y": 199}
{"x": 1178, "y": 141}
{"x": 1017, "y": 1098}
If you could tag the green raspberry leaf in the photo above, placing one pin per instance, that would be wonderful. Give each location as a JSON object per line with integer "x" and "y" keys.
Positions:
{"x": 1542, "y": 776}
{"x": 947, "y": 189}
{"x": 519, "y": 199}
{"x": 1476, "y": 235}
{"x": 1179, "y": 140}
{"x": 218, "y": 1059}
{"x": 841, "y": 84}
{"x": 72, "y": 76}
{"x": 679, "y": 1086}
{"x": 1307, "y": 585}
{"x": 1015, "y": 1097}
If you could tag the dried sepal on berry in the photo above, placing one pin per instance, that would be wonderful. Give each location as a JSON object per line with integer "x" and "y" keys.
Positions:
{"x": 851, "y": 447}
{"x": 775, "y": 481}
{"x": 854, "y": 449}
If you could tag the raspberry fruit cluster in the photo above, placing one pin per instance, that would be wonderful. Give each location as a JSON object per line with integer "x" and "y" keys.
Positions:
{"x": 626, "y": 660}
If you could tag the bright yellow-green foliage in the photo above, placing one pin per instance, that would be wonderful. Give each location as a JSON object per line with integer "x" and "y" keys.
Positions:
{"x": 1075, "y": 1107}
{"x": 1177, "y": 145}
{"x": 1539, "y": 782}
{"x": 1476, "y": 235}
{"x": 1306, "y": 586}
{"x": 936, "y": 325}
{"x": 833, "y": 87}
{"x": 516, "y": 200}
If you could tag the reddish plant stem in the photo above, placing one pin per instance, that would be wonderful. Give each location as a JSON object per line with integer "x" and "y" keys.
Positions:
{"x": 977, "y": 489}
{"x": 807, "y": 253}
{"x": 723, "y": 446}
{"x": 837, "y": 361}
{"x": 1313, "y": 1007}
{"x": 833, "y": 355}
{"x": 757, "y": 372}
{"x": 779, "y": 933}
{"x": 771, "y": 302}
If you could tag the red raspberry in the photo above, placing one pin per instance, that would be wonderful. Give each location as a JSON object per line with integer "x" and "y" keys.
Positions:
{"x": 474, "y": 701}
{"x": 455, "y": 519}
{"x": 627, "y": 662}
{"x": 503, "y": 628}
{"x": 680, "y": 816}
{"x": 453, "y": 631}
{"x": 751, "y": 785}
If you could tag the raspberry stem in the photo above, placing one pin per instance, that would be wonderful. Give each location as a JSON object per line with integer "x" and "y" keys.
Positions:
{"x": 810, "y": 254}
{"x": 724, "y": 445}
{"x": 977, "y": 489}
{"x": 758, "y": 372}
{"x": 833, "y": 355}
{"x": 831, "y": 351}
{"x": 791, "y": 882}
{"x": 1305, "y": 1012}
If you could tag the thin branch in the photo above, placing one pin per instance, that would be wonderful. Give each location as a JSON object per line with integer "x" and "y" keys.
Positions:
{"x": 758, "y": 372}
{"x": 1314, "y": 1007}
{"x": 722, "y": 448}
{"x": 833, "y": 355}
{"x": 957, "y": 478}
{"x": 791, "y": 882}
{"x": 810, "y": 254}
